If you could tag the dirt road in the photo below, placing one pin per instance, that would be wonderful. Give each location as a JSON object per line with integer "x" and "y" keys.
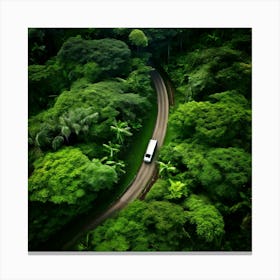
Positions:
{"x": 146, "y": 171}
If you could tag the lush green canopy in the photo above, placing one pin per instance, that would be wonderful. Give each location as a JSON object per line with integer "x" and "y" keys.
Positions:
{"x": 208, "y": 221}
{"x": 89, "y": 95}
{"x": 154, "y": 226}
{"x": 112, "y": 56}
{"x": 223, "y": 123}
{"x": 67, "y": 175}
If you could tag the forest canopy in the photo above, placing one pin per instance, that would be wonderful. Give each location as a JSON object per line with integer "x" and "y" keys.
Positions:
{"x": 91, "y": 102}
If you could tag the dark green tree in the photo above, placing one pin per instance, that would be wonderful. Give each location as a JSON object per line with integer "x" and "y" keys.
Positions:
{"x": 208, "y": 222}
{"x": 45, "y": 82}
{"x": 111, "y": 56}
{"x": 154, "y": 226}
{"x": 226, "y": 172}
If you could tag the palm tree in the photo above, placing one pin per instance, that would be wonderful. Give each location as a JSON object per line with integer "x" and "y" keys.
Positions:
{"x": 65, "y": 131}
{"x": 77, "y": 120}
{"x": 117, "y": 165}
{"x": 57, "y": 142}
{"x": 87, "y": 119}
{"x": 43, "y": 137}
{"x": 112, "y": 148}
{"x": 121, "y": 129}
{"x": 166, "y": 168}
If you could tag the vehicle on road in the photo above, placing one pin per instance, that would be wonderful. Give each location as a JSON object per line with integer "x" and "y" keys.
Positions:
{"x": 150, "y": 150}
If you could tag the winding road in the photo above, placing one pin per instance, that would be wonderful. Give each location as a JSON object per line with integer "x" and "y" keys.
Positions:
{"x": 146, "y": 171}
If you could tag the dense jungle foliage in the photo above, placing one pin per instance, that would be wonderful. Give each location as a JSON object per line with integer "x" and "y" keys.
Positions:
{"x": 90, "y": 97}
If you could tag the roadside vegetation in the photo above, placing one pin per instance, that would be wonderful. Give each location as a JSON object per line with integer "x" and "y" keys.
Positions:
{"x": 85, "y": 104}
{"x": 92, "y": 106}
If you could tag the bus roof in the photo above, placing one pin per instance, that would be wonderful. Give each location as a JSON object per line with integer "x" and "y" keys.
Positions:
{"x": 151, "y": 146}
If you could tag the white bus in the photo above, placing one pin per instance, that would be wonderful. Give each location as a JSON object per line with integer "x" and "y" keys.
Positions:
{"x": 150, "y": 150}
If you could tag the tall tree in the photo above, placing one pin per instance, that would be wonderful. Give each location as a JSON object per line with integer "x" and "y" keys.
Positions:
{"x": 138, "y": 38}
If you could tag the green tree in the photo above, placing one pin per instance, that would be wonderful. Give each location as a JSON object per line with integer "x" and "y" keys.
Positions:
{"x": 139, "y": 79}
{"x": 91, "y": 71}
{"x": 86, "y": 112}
{"x": 36, "y": 47}
{"x": 138, "y": 38}
{"x": 166, "y": 168}
{"x": 57, "y": 142}
{"x": 158, "y": 191}
{"x": 122, "y": 233}
{"x": 118, "y": 165}
{"x": 177, "y": 189}
{"x": 165, "y": 226}
{"x": 226, "y": 172}
{"x": 223, "y": 172}
{"x": 221, "y": 123}
{"x": 112, "y": 148}
{"x": 65, "y": 131}
{"x": 160, "y": 42}
{"x": 132, "y": 108}
{"x": 99, "y": 176}
{"x": 67, "y": 175}
{"x": 206, "y": 71}
{"x": 142, "y": 226}
{"x": 208, "y": 222}
{"x": 45, "y": 82}
{"x": 121, "y": 130}
{"x": 43, "y": 137}
{"x": 63, "y": 185}
{"x": 110, "y": 55}
{"x": 77, "y": 120}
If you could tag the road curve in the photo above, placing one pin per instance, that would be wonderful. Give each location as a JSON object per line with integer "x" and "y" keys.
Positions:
{"x": 146, "y": 171}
